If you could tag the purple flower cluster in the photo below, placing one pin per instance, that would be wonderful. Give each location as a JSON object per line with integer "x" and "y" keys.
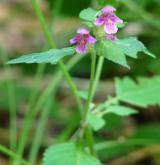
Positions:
{"x": 108, "y": 19}
{"x": 82, "y": 38}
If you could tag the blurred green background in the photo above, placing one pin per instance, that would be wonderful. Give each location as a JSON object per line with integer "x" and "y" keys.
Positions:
{"x": 20, "y": 33}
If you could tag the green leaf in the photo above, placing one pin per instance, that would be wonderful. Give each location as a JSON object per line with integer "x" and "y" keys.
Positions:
{"x": 143, "y": 93}
{"x": 147, "y": 131}
{"x": 111, "y": 51}
{"x": 114, "y": 148}
{"x": 131, "y": 46}
{"x": 117, "y": 51}
{"x": 88, "y": 24}
{"x": 121, "y": 110}
{"x": 51, "y": 56}
{"x": 121, "y": 25}
{"x": 68, "y": 154}
{"x": 88, "y": 14}
{"x": 95, "y": 121}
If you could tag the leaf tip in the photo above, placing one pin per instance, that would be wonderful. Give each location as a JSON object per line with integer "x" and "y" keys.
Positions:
{"x": 9, "y": 62}
{"x": 127, "y": 66}
{"x": 150, "y": 54}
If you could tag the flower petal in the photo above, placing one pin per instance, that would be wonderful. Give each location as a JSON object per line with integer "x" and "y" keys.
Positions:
{"x": 114, "y": 18}
{"x": 99, "y": 20}
{"x": 81, "y": 48}
{"x": 110, "y": 28}
{"x": 83, "y": 31}
{"x": 76, "y": 39}
{"x": 117, "y": 19}
{"x": 91, "y": 39}
{"x": 108, "y": 9}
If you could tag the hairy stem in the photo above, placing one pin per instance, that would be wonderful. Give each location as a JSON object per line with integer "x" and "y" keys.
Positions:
{"x": 91, "y": 85}
{"x": 98, "y": 74}
{"x": 87, "y": 130}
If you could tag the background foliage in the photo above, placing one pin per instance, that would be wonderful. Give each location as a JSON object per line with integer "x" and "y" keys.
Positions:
{"x": 126, "y": 140}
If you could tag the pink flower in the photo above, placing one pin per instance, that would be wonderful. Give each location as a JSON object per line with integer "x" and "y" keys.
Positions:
{"x": 108, "y": 19}
{"x": 108, "y": 9}
{"x": 82, "y": 38}
{"x": 111, "y": 37}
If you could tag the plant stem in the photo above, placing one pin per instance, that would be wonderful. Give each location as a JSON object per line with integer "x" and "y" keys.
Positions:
{"x": 98, "y": 74}
{"x": 56, "y": 81}
{"x": 92, "y": 90}
{"x": 41, "y": 67}
{"x": 55, "y": 11}
{"x": 12, "y": 154}
{"x": 43, "y": 23}
{"x": 72, "y": 86}
{"x": 11, "y": 101}
{"x": 91, "y": 85}
{"x": 90, "y": 140}
{"x": 52, "y": 88}
{"x": 12, "y": 110}
{"x": 50, "y": 41}
{"x": 12, "y": 107}
{"x": 34, "y": 92}
{"x": 45, "y": 113}
{"x": 87, "y": 129}
{"x": 39, "y": 133}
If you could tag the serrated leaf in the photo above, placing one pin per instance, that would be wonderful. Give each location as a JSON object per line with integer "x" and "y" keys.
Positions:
{"x": 88, "y": 14}
{"x": 95, "y": 121}
{"x": 51, "y": 56}
{"x": 121, "y": 110}
{"x": 68, "y": 154}
{"x": 125, "y": 86}
{"x": 111, "y": 51}
{"x": 116, "y": 51}
{"x": 143, "y": 93}
{"x": 131, "y": 47}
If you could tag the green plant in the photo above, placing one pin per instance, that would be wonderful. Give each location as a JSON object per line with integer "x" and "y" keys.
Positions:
{"x": 100, "y": 43}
